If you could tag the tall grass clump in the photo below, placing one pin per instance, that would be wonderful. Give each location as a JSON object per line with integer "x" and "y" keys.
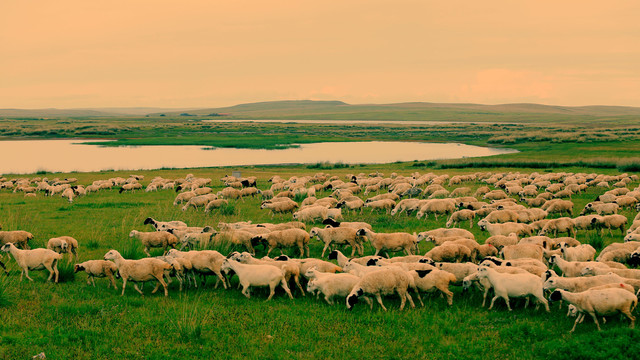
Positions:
{"x": 132, "y": 251}
{"x": 7, "y": 284}
{"x": 594, "y": 239}
{"x": 227, "y": 209}
{"x": 65, "y": 271}
{"x": 188, "y": 323}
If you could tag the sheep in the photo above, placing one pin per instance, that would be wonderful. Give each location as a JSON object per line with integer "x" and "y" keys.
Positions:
{"x": 459, "y": 270}
{"x": 63, "y": 244}
{"x": 513, "y": 285}
{"x": 500, "y": 241}
{"x": 585, "y": 222}
{"x": 215, "y": 204}
{"x": 485, "y": 250}
{"x": 559, "y": 225}
{"x": 139, "y": 271}
{"x": 289, "y": 268}
{"x": 461, "y": 215}
{"x": 332, "y": 285}
{"x": 161, "y": 239}
{"x": 257, "y": 275}
{"x": 573, "y": 268}
{"x": 601, "y": 208}
{"x": 279, "y": 206}
{"x": 406, "y": 205}
{"x": 19, "y": 238}
{"x": 342, "y": 260}
{"x": 443, "y": 232}
{"x": 201, "y": 239}
{"x": 430, "y": 280}
{"x": 164, "y": 225}
{"x": 522, "y": 251}
{"x": 285, "y": 238}
{"x": 98, "y": 268}
{"x": 625, "y": 273}
{"x": 584, "y": 252}
{"x": 385, "y": 281}
{"x": 236, "y": 237}
{"x": 495, "y": 195}
{"x": 444, "y": 206}
{"x": 558, "y": 206}
{"x": 577, "y": 284}
{"x": 449, "y": 252}
{"x": 390, "y": 241}
{"x": 204, "y": 262}
{"x": 311, "y": 214}
{"x": 353, "y": 204}
{"x": 384, "y": 204}
{"x": 611, "y": 222}
{"x": 502, "y": 216}
{"x": 199, "y": 201}
{"x": 505, "y": 228}
{"x": 339, "y": 236}
{"x": 35, "y": 259}
{"x": 130, "y": 187}
{"x": 599, "y": 302}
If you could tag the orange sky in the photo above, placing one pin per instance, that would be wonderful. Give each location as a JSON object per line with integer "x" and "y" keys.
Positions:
{"x": 204, "y": 53}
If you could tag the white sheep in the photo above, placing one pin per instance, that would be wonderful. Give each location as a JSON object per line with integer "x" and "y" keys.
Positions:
{"x": 385, "y": 281}
{"x": 18, "y": 238}
{"x": 599, "y": 302}
{"x": 204, "y": 262}
{"x": 286, "y": 238}
{"x": 338, "y": 236}
{"x": 311, "y": 214}
{"x": 583, "y": 252}
{"x": 34, "y": 259}
{"x": 161, "y": 239}
{"x": 513, "y": 285}
{"x": 331, "y": 285}
{"x": 164, "y": 225}
{"x": 257, "y": 275}
{"x": 390, "y": 241}
{"x": 98, "y": 268}
{"x": 139, "y": 271}
{"x": 460, "y": 216}
{"x": 64, "y": 244}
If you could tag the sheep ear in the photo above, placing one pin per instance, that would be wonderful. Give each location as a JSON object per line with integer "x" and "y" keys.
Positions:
{"x": 423, "y": 273}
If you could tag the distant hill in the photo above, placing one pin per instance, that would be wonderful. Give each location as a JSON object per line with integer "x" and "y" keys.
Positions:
{"x": 338, "y": 110}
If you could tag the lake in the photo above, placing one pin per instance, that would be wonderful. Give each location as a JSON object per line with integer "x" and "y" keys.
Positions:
{"x": 30, "y": 156}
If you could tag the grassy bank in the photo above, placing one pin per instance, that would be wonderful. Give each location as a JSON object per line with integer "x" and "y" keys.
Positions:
{"x": 72, "y": 320}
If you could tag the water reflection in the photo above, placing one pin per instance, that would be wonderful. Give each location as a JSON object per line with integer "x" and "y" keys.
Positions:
{"x": 29, "y": 156}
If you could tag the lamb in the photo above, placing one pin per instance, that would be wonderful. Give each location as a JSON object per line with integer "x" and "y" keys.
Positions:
{"x": 257, "y": 275}
{"x": 204, "y": 262}
{"x": 339, "y": 236}
{"x": 164, "y": 225}
{"x": 385, "y": 281}
{"x": 332, "y": 285}
{"x": 584, "y": 252}
{"x": 599, "y": 302}
{"x": 35, "y": 259}
{"x": 390, "y": 241}
{"x": 19, "y": 238}
{"x": 285, "y": 238}
{"x": 98, "y": 268}
{"x": 63, "y": 244}
{"x": 161, "y": 239}
{"x": 139, "y": 271}
{"x": 460, "y": 216}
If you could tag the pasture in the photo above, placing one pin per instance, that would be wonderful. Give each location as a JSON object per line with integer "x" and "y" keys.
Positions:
{"x": 73, "y": 320}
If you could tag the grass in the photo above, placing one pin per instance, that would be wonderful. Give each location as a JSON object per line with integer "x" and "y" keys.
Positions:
{"x": 97, "y": 323}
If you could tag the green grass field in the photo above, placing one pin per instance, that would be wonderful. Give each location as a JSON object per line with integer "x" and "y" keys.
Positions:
{"x": 72, "y": 320}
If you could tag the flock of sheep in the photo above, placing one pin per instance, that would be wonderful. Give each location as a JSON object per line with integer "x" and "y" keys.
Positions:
{"x": 529, "y": 219}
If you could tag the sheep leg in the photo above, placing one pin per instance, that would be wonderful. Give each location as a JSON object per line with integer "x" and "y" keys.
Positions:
{"x": 418, "y": 296}
{"x": 447, "y": 293}
{"x": 287, "y": 290}
{"x": 272, "y": 290}
{"x": 627, "y": 313}
{"x": 595, "y": 320}
{"x": 245, "y": 290}
{"x": 368, "y": 301}
{"x": 410, "y": 299}
{"x": 26, "y": 273}
{"x": 221, "y": 278}
{"x": 296, "y": 279}
{"x": 381, "y": 304}
{"x": 269, "y": 251}
{"x": 576, "y": 322}
{"x": 327, "y": 298}
{"x": 484, "y": 297}
{"x": 124, "y": 284}
{"x": 135, "y": 286}
{"x": 544, "y": 302}
{"x": 146, "y": 251}
{"x": 113, "y": 281}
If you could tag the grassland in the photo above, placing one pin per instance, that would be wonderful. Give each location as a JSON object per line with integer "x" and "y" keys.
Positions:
{"x": 71, "y": 320}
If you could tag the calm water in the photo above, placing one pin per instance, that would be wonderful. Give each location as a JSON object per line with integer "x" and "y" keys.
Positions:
{"x": 71, "y": 155}
{"x": 341, "y": 122}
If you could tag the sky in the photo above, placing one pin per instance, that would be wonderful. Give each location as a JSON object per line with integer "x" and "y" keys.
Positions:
{"x": 203, "y": 53}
